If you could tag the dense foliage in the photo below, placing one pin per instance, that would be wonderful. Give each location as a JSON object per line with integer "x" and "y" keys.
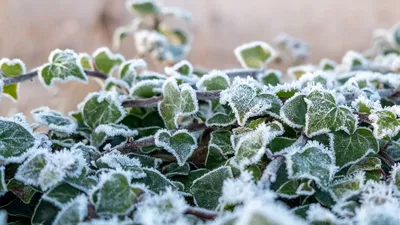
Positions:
{"x": 220, "y": 148}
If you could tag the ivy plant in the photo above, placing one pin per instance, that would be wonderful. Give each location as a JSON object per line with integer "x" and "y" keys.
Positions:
{"x": 220, "y": 147}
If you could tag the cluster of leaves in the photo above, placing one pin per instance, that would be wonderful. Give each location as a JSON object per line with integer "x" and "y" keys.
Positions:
{"x": 224, "y": 147}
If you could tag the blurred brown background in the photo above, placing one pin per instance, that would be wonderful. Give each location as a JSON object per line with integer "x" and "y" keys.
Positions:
{"x": 30, "y": 29}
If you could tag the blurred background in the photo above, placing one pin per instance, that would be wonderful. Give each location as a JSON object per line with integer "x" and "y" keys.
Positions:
{"x": 30, "y": 30}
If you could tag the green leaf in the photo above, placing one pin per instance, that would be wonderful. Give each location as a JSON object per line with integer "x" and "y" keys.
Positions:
{"x": 62, "y": 66}
{"x": 114, "y": 195}
{"x": 23, "y": 192}
{"x": 221, "y": 119}
{"x": 15, "y": 139}
{"x": 143, "y": 7}
{"x": 73, "y": 213}
{"x": 327, "y": 65}
{"x": 295, "y": 188}
{"x": 146, "y": 161}
{"x": 44, "y": 214}
{"x": 105, "y": 61}
{"x": 183, "y": 68}
{"x": 85, "y": 61}
{"x": 395, "y": 175}
{"x": 54, "y": 120}
{"x": 214, "y": 81}
{"x": 313, "y": 162}
{"x": 187, "y": 181}
{"x": 3, "y": 185}
{"x": 270, "y": 77}
{"x": 29, "y": 172}
{"x": 350, "y": 149}
{"x": 180, "y": 144}
{"x": 146, "y": 88}
{"x": 246, "y": 100}
{"x": 102, "y": 108}
{"x": 254, "y": 54}
{"x": 222, "y": 140}
{"x": 293, "y": 112}
{"x": 396, "y": 36}
{"x": 173, "y": 169}
{"x": 366, "y": 164}
{"x": 61, "y": 194}
{"x": 344, "y": 189}
{"x": 128, "y": 70}
{"x": 279, "y": 144}
{"x": 155, "y": 180}
{"x": 207, "y": 189}
{"x": 385, "y": 123}
{"x": 176, "y": 103}
{"x": 323, "y": 115}
{"x": 12, "y": 68}
{"x": 215, "y": 157}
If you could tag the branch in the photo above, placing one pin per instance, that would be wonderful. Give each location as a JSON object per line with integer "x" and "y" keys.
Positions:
{"x": 201, "y": 213}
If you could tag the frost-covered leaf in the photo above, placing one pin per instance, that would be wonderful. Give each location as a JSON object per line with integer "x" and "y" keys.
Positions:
{"x": 183, "y": 68}
{"x": 3, "y": 185}
{"x": 112, "y": 130}
{"x": 221, "y": 139}
{"x": 176, "y": 103}
{"x": 207, "y": 189}
{"x": 105, "y": 61}
{"x": 23, "y": 192}
{"x": 128, "y": 70}
{"x": 252, "y": 146}
{"x": 63, "y": 66}
{"x": 221, "y": 119}
{"x": 3, "y": 217}
{"x": 116, "y": 160}
{"x": 89, "y": 153}
{"x": 73, "y": 213}
{"x": 146, "y": 160}
{"x": 143, "y": 7}
{"x": 54, "y": 120}
{"x": 155, "y": 181}
{"x": 254, "y": 54}
{"x": 293, "y": 112}
{"x": 44, "y": 213}
{"x": 146, "y": 88}
{"x": 270, "y": 77}
{"x": 279, "y": 144}
{"x": 385, "y": 123}
{"x": 12, "y": 68}
{"x": 214, "y": 81}
{"x": 173, "y": 169}
{"x": 366, "y": 164}
{"x": 215, "y": 157}
{"x": 347, "y": 187}
{"x": 61, "y": 194}
{"x": 323, "y": 115}
{"x": 114, "y": 194}
{"x": 15, "y": 139}
{"x": 296, "y": 72}
{"x": 350, "y": 149}
{"x": 378, "y": 214}
{"x": 295, "y": 188}
{"x": 313, "y": 161}
{"x": 180, "y": 144}
{"x": 327, "y": 65}
{"x": 354, "y": 59}
{"x": 246, "y": 100}
{"x": 102, "y": 108}
{"x": 85, "y": 61}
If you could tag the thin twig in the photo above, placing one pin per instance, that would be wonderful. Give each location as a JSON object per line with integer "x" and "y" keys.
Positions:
{"x": 201, "y": 213}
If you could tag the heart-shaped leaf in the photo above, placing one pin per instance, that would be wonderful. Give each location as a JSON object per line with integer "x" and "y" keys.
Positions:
{"x": 180, "y": 144}
{"x": 54, "y": 120}
{"x": 12, "y": 68}
{"x": 293, "y": 112}
{"x": 255, "y": 54}
{"x": 74, "y": 212}
{"x": 385, "y": 123}
{"x": 63, "y": 66}
{"x": 105, "y": 61}
{"x": 214, "y": 81}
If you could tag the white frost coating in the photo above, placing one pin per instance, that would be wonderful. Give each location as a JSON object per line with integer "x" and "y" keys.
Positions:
{"x": 115, "y": 130}
{"x": 261, "y": 76}
{"x": 3, "y": 217}
{"x": 167, "y": 208}
{"x": 1, "y": 88}
{"x": 391, "y": 61}
{"x": 173, "y": 71}
{"x": 381, "y": 133}
{"x": 169, "y": 149}
{"x": 350, "y": 56}
{"x": 116, "y": 40}
{"x": 309, "y": 79}
{"x": 364, "y": 101}
{"x": 157, "y": 84}
{"x": 386, "y": 213}
{"x": 213, "y": 74}
{"x": 40, "y": 114}
{"x": 147, "y": 40}
{"x": 394, "y": 172}
{"x": 345, "y": 195}
{"x": 147, "y": 74}
{"x": 67, "y": 78}
{"x": 273, "y": 212}
{"x": 379, "y": 192}
{"x": 133, "y": 63}
{"x": 110, "y": 55}
{"x": 286, "y": 87}
{"x": 283, "y": 115}
{"x": 302, "y": 68}
{"x": 270, "y": 172}
{"x": 129, "y": 4}
{"x": 177, "y": 12}
{"x": 317, "y": 213}
{"x": 87, "y": 56}
{"x": 263, "y": 45}
{"x": 115, "y": 81}
{"x": 311, "y": 144}
{"x": 79, "y": 206}
{"x": 325, "y": 62}
{"x": 192, "y": 92}
{"x": 118, "y": 161}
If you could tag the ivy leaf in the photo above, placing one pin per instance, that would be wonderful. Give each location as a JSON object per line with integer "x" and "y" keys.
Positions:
{"x": 61, "y": 194}
{"x": 146, "y": 88}
{"x": 181, "y": 144}
{"x": 105, "y": 61}
{"x": 176, "y": 103}
{"x": 323, "y": 115}
{"x": 128, "y": 70}
{"x": 222, "y": 140}
{"x": 270, "y": 77}
{"x": 45, "y": 212}
{"x": 215, "y": 157}
{"x": 143, "y": 7}
{"x": 23, "y": 192}
{"x": 279, "y": 144}
{"x": 85, "y": 61}
{"x": 155, "y": 181}
{"x": 344, "y": 189}
{"x": 214, "y": 81}
{"x": 63, "y": 66}
{"x": 183, "y": 68}
{"x": 366, "y": 164}
{"x": 327, "y": 65}
{"x": 350, "y": 149}
{"x": 313, "y": 162}
{"x": 12, "y": 68}
{"x": 173, "y": 169}
{"x": 385, "y": 123}
{"x": 295, "y": 188}
{"x": 30, "y": 170}
{"x": 114, "y": 195}
{"x": 102, "y": 108}
{"x": 254, "y": 54}
{"x": 74, "y": 212}
{"x": 293, "y": 112}
{"x": 15, "y": 139}
{"x": 54, "y": 120}
{"x": 246, "y": 100}
{"x": 207, "y": 189}
{"x": 221, "y": 119}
